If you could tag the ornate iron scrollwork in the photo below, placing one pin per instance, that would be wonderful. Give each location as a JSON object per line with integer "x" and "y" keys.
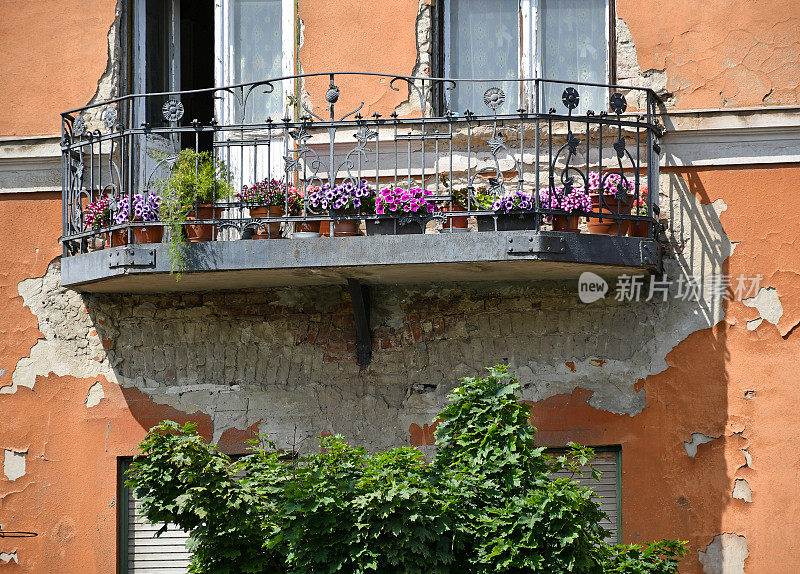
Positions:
{"x": 571, "y": 99}
{"x": 172, "y": 110}
{"x": 494, "y": 98}
{"x": 78, "y": 127}
{"x": 109, "y": 117}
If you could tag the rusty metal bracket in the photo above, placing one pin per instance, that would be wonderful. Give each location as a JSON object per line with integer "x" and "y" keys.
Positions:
{"x": 131, "y": 257}
{"x": 649, "y": 252}
{"x": 535, "y": 243}
{"x": 360, "y": 297}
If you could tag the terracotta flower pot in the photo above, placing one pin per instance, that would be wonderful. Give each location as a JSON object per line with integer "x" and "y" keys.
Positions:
{"x": 148, "y": 233}
{"x": 117, "y": 238}
{"x": 460, "y": 222}
{"x": 346, "y": 227}
{"x": 201, "y": 232}
{"x": 274, "y": 230}
{"x": 564, "y": 222}
{"x": 307, "y": 227}
{"x": 637, "y": 228}
{"x": 609, "y": 226}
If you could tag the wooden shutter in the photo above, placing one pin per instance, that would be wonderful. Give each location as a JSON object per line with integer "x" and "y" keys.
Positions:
{"x": 605, "y": 489}
{"x": 148, "y": 554}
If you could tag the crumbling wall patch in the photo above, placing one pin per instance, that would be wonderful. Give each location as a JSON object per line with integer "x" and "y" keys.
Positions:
{"x": 14, "y": 464}
{"x": 725, "y": 554}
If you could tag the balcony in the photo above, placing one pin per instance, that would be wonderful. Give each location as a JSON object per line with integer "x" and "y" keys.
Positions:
{"x": 581, "y": 185}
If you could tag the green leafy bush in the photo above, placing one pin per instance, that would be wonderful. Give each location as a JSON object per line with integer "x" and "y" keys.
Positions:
{"x": 486, "y": 503}
{"x": 196, "y": 179}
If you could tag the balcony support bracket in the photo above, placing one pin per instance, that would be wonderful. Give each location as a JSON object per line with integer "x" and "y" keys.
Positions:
{"x": 360, "y": 297}
{"x": 535, "y": 243}
{"x": 649, "y": 253}
{"x": 131, "y": 257}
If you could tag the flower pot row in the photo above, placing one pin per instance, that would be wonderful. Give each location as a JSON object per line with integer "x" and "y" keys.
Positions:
{"x": 389, "y": 226}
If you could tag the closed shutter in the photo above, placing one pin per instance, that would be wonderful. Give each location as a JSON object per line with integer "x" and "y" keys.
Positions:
{"x": 605, "y": 489}
{"x": 145, "y": 553}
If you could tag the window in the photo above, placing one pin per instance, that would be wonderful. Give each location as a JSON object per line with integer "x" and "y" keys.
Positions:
{"x": 607, "y": 490}
{"x": 179, "y": 45}
{"x": 141, "y": 551}
{"x": 552, "y": 39}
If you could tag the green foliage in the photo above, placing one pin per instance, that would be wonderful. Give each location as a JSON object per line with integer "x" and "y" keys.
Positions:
{"x": 486, "y": 504}
{"x": 196, "y": 179}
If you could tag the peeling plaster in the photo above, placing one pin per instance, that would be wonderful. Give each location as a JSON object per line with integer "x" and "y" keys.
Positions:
{"x": 14, "y": 464}
{"x": 629, "y": 72}
{"x": 698, "y": 438}
{"x": 741, "y": 490}
{"x": 748, "y": 458}
{"x": 422, "y": 67}
{"x": 9, "y": 556}
{"x": 52, "y": 352}
{"x": 753, "y": 325}
{"x": 768, "y": 305}
{"x": 725, "y": 554}
{"x": 109, "y": 83}
{"x": 95, "y": 395}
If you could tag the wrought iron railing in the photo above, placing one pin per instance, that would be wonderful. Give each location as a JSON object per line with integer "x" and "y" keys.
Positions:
{"x": 517, "y": 144}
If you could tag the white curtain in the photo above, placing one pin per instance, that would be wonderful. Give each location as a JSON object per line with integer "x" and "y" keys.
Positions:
{"x": 254, "y": 52}
{"x": 573, "y": 45}
{"x": 484, "y": 43}
{"x": 251, "y": 49}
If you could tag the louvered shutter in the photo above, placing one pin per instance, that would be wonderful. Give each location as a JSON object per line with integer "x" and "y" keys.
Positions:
{"x": 605, "y": 489}
{"x": 148, "y": 554}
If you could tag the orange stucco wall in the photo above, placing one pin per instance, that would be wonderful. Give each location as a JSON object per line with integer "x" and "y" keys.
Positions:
{"x": 51, "y": 57}
{"x": 350, "y": 35}
{"x": 736, "y": 53}
{"x": 52, "y": 54}
{"x": 727, "y": 382}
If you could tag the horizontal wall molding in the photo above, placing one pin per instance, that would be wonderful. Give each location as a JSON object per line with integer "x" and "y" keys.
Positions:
{"x": 30, "y": 164}
{"x": 693, "y": 139}
{"x": 735, "y": 137}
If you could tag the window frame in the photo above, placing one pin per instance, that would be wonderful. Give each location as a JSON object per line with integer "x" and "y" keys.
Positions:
{"x": 607, "y": 448}
{"x": 137, "y": 60}
{"x": 123, "y": 492}
{"x": 529, "y": 63}
{"x": 224, "y": 107}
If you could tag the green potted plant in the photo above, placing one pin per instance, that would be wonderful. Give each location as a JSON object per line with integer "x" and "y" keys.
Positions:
{"x": 458, "y": 202}
{"x": 189, "y": 194}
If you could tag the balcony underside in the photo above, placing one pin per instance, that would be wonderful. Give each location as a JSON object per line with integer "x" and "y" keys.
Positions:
{"x": 484, "y": 256}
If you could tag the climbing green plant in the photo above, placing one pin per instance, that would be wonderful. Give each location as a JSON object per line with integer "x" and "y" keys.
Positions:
{"x": 196, "y": 179}
{"x": 487, "y": 502}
